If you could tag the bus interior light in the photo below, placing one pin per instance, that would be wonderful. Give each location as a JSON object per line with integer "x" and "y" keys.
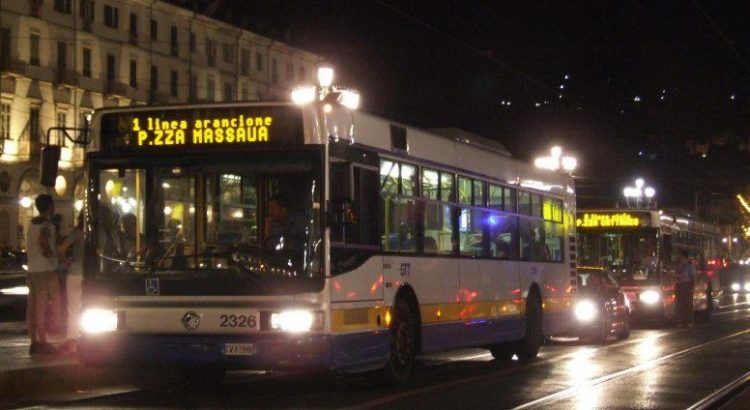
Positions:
{"x": 99, "y": 320}
{"x": 15, "y": 291}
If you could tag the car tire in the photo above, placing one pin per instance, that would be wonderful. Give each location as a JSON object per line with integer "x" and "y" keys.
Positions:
{"x": 528, "y": 347}
{"x": 403, "y": 344}
{"x": 624, "y": 333}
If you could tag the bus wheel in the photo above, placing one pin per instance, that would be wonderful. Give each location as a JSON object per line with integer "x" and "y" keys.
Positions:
{"x": 502, "y": 351}
{"x": 403, "y": 344}
{"x": 529, "y": 346}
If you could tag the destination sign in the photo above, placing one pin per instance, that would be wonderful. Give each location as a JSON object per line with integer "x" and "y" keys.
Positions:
{"x": 204, "y": 128}
{"x": 611, "y": 220}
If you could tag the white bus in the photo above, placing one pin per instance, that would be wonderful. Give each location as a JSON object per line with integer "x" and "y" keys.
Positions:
{"x": 393, "y": 241}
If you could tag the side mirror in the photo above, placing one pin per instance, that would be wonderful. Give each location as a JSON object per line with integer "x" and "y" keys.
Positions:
{"x": 48, "y": 165}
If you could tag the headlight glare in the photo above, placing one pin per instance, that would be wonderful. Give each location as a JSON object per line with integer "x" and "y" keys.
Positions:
{"x": 736, "y": 287}
{"x": 650, "y": 297}
{"x": 585, "y": 310}
{"x": 96, "y": 320}
{"x": 292, "y": 321}
{"x": 15, "y": 291}
{"x": 747, "y": 286}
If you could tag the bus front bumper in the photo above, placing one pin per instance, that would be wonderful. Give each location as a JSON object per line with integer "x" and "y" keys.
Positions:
{"x": 259, "y": 351}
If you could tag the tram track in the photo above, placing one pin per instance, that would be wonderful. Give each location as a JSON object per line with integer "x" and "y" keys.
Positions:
{"x": 723, "y": 395}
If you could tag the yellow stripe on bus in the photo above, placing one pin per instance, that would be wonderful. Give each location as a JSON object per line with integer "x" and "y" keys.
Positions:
{"x": 378, "y": 317}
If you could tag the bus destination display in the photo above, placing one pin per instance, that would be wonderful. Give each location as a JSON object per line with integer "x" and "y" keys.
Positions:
{"x": 203, "y": 128}
{"x": 611, "y": 220}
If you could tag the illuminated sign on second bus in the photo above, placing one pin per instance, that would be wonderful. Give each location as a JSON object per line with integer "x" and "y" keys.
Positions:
{"x": 607, "y": 220}
{"x": 202, "y": 131}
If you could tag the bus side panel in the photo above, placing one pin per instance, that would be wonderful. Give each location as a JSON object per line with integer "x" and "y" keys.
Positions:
{"x": 553, "y": 281}
{"x": 360, "y": 351}
{"x": 489, "y": 291}
{"x": 474, "y": 333}
{"x": 435, "y": 282}
{"x": 362, "y": 283}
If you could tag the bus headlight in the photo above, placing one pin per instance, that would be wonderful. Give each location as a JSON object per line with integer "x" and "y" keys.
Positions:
{"x": 747, "y": 286}
{"x": 650, "y": 297}
{"x": 296, "y": 321}
{"x": 95, "y": 321}
{"x": 585, "y": 310}
{"x": 736, "y": 287}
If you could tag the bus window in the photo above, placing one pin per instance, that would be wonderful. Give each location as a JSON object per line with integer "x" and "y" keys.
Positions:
{"x": 438, "y": 229}
{"x": 176, "y": 234}
{"x": 119, "y": 225}
{"x": 524, "y": 203}
{"x": 409, "y": 180}
{"x": 478, "y": 193}
{"x": 399, "y": 224}
{"x": 553, "y": 240}
{"x": 430, "y": 188}
{"x": 533, "y": 243}
{"x": 471, "y": 231}
{"x": 495, "y": 197}
{"x": 447, "y": 191}
{"x": 503, "y": 235}
{"x": 464, "y": 190}
{"x": 389, "y": 176}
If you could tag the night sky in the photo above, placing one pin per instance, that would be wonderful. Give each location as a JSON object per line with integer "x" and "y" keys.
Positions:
{"x": 645, "y": 79}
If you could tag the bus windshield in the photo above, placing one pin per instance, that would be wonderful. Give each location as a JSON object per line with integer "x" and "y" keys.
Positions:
{"x": 630, "y": 255}
{"x": 255, "y": 218}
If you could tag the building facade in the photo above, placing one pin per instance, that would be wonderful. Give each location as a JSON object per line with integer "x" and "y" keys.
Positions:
{"x": 62, "y": 59}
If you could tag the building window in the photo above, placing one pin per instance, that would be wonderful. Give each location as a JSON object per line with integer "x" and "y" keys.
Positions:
{"x": 245, "y": 92}
{"x": 259, "y": 61}
{"x": 4, "y": 48}
{"x": 227, "y": 52}
{"x": 133, "y": 37}
{"x": 154, "y": 78}
{"x": 173, "y": 83}
{"x": 87, "y": 62}
{"x": 245, "y": 62}
{"x": 36, "y": 134}
{"x": 211, "y": 52}
{"x": 173, "y": 41}
{"x": 60, "y": 120}
{"x": 62, "y": 65}
{"x": 62, "y": 6}
{"x": 133, "y": 74}
{"x": 228, "y": 92}
{"x": 4, "y": 121}
{"x": 86, "y": 10}
{"x": 274, "y": 71}
{"x": 154, "y": 30}
{"x": 289, "y": 72}
{"x": 34, "y": 42}
{"x": 111, "y": 16}
{"x": 210, "y": 88}
{"x": 193, "y": 87}
{"x": 110, "y": 69}
{"x": 192, "y": 42}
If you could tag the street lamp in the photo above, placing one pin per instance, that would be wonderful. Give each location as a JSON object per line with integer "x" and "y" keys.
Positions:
{"x": 556, "y": 161}
{"x": 326, "y": 92}
{"x": 639, "y": 196}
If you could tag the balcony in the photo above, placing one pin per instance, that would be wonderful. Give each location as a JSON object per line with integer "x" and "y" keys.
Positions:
{"x": 12, "y": 67}
{"x": 116, "y": 89}
{"x": 66, "y": 78}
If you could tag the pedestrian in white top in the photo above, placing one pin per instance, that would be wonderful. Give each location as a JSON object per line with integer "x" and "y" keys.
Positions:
{"x": 44, "y": 288}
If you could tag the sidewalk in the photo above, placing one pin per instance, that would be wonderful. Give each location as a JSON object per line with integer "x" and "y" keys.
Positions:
{"x": 26, "y": 379}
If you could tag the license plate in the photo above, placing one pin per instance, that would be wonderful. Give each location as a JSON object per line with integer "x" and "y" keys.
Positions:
{"x": 239, "y": 349}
